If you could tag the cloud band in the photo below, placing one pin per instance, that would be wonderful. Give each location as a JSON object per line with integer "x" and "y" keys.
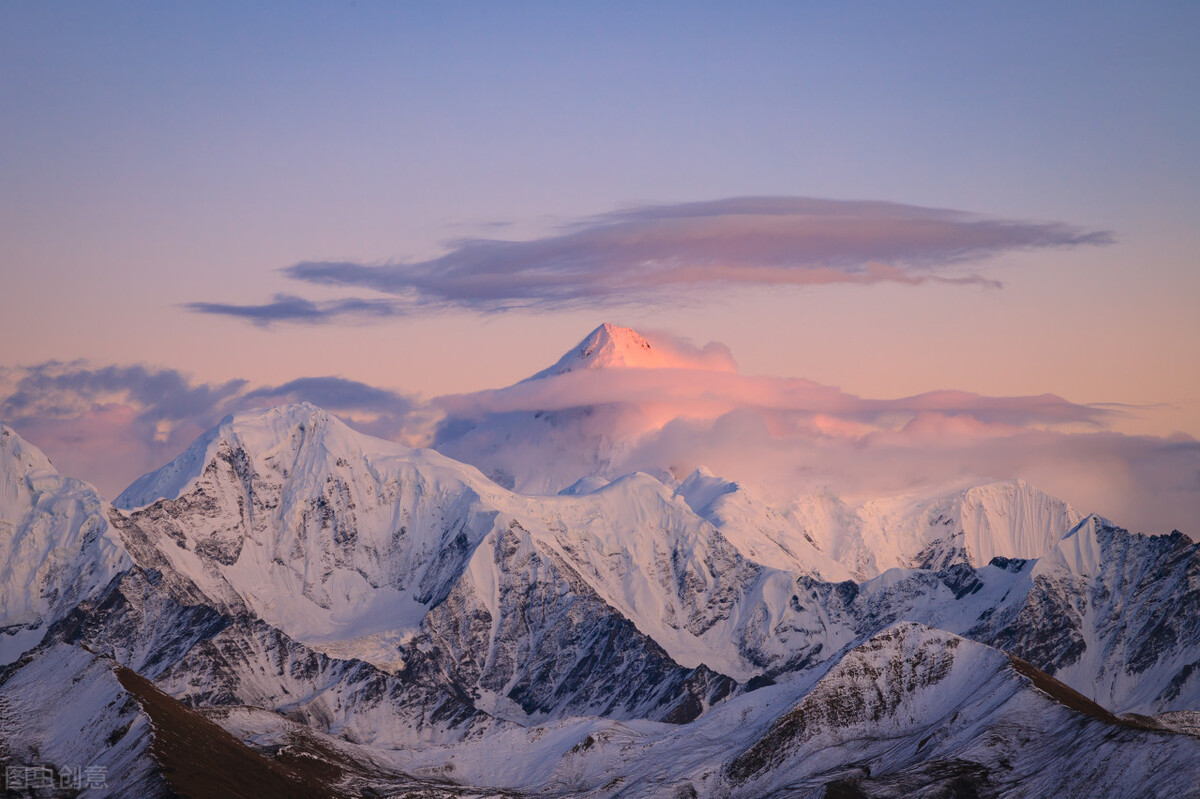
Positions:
{"x": 660, "y": 253}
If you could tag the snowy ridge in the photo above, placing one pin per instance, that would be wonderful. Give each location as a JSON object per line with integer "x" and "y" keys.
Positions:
{"x": 56, "y": 548}
{"x": 759, "y": 531}
{"x": 834, "y": 539}
{"x": 1079, "y": 551}
{"x": 65, "y": 709}
{"x": 171, "y": 479}
{"x": 1113, "y": 614}
{"x": 1009, "y": 519}
{"x": 203, "y": 657}
{"x": 912, "y": 697}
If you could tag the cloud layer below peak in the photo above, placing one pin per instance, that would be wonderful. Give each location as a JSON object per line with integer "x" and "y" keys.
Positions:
{"x": 657, "y": 253}
{"x": 783, "y": 436}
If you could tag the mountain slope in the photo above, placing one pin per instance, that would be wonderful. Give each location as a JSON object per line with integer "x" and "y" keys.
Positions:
{"x": 1115, "y": 615}
{"x": 927, "y": 709}
{"x": 63, "y": 708}
{"x": 206, "y": 658}
{"x": 912, "y": 711}
{"x": 103, "y": 728}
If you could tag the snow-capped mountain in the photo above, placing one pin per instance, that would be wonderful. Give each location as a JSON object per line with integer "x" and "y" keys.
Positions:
{"x": 582, "y": 432}
{"x": 405, "y": 622}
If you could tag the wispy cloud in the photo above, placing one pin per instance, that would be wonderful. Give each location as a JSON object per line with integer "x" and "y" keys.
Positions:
{"x": 665, "y": 253}
{"x": 1146, "y": 483}
{"x": 290, "y": 308}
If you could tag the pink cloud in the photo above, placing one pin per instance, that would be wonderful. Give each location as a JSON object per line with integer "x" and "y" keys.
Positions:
{"x": 781, "y": 435}
{"x": 785, "y": 435}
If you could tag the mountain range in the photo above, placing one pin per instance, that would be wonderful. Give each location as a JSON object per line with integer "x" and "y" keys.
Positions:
{"x": 294, "y": 608}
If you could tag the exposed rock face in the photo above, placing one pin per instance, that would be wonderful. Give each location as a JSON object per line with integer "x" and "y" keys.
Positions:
{"x": 546, "y": 641}
{"x": 922, "y": 710}
{"x": 1113, "y": 614}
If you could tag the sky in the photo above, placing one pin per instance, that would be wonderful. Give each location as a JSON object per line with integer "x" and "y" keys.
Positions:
{"x": 425, "y": 199}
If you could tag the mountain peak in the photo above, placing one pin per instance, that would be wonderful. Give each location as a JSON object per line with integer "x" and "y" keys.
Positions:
{"x": 261, "y": 431}
{"x": 20, "y": 451}
{"x": 625, "y": 337}
{"x": 612, "y": 346}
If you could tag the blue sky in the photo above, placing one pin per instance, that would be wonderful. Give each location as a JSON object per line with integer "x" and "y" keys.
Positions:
{"x": 1006, "y": 108}
{"x": 158, "y": 155}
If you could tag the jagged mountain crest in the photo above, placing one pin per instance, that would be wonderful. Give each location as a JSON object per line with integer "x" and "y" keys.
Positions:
{"x": 335, "y": 537}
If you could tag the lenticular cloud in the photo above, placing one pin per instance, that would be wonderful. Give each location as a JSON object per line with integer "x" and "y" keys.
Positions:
{"x": 666, "y": 253}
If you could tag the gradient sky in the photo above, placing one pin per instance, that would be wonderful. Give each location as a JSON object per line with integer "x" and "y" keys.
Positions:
{"x": 154, "y": 155}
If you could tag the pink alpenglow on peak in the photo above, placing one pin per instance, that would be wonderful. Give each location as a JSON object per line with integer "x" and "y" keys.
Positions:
{"x": 610, "y": 346}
